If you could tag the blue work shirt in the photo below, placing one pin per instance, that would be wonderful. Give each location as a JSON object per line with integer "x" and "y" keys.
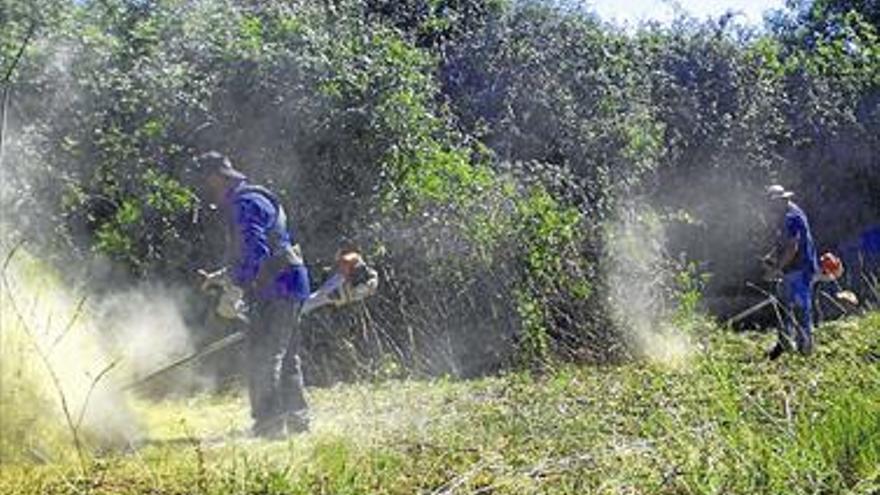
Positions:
{"x": 254, "y": 218}
{"x": 798, "y": 227}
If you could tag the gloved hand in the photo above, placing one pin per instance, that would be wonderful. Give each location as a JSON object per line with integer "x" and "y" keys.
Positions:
{"x": 230, "y": 302}
{"x": 210, "y": 280}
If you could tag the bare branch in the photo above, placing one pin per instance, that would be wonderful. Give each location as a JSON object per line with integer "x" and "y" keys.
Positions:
{"x": 4, "y": 104}
{"x": 11, "y": 254}
{"x": 56, "y": 382}
{"x": 17, "y": 58}
{"x": 455, "y": 483}
{"x": 98, "y": 377}
{"x": 70, "y": 323}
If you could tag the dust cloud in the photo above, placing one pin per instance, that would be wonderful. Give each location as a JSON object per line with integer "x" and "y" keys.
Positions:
{"x": 59, "y": 370}
{"x": 640, "y": 282}
{"x": 144, "y": 327}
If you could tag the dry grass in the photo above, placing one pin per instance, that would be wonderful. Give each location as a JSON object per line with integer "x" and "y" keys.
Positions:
{"x": 728, "y": 422}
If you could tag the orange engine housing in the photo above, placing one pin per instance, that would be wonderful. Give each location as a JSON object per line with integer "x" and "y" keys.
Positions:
{"x": 831, "y": 266}
{"x": 347, "y": 261}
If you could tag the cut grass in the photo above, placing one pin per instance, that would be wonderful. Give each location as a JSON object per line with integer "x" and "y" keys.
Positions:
{"x": 727, "y": 422}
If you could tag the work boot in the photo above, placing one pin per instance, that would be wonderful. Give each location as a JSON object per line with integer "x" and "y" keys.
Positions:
{"x": 270, "y": 429}
{"x": 297, "y": 422}
{"x": 806, "y": 347}
{"x": 777, "y": 350}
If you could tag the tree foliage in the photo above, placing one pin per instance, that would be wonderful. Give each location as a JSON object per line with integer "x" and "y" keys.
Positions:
{"x": 475, "y": 149}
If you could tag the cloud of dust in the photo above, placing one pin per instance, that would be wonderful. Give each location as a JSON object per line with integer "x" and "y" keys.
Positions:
{"x": 91, "y": 347}
{"x": 144, "y": 327}
{"x": 48, "y": 335}
{"x": 640, "y": 284}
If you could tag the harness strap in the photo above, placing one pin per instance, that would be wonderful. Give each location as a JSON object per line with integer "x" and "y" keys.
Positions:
{"x": 283, "y": 252}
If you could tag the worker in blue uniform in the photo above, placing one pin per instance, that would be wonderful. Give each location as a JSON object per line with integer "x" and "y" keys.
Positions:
{"x": 266, "y": 281}
{"x": 795, "y": 262}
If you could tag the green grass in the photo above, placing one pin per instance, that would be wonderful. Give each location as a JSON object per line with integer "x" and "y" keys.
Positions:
{"x": 727, "y": 421}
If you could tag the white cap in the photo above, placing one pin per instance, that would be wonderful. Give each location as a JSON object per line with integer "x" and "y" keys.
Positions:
{"x": 778, "y": 192}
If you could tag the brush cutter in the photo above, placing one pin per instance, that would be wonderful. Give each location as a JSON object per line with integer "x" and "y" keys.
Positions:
{"x": 771, "y": 274}
{"x": 353, "y": 281}
{"x": 830, "y": 270}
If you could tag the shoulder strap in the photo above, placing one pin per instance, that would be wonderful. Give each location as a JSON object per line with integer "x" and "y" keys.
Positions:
{"x": 279, "y": 236}
{"x": 253, "y": 188}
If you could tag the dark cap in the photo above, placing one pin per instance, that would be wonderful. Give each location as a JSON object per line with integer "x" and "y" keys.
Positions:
{"x": 215, "y": 162}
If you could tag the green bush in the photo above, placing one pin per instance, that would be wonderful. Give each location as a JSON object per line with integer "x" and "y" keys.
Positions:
{"x": 476, "y": 150}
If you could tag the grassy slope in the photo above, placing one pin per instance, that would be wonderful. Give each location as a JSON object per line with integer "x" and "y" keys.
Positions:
{"x": 728, "y": 422}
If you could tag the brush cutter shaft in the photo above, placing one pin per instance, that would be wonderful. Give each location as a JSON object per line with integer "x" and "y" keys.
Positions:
{"x": 749, "y": 311}
{"x": 211, "y": 348}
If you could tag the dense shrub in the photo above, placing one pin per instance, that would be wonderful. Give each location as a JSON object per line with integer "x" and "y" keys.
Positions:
{"x": 476, "y": 150}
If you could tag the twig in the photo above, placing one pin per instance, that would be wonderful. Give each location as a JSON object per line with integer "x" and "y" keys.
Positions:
{"x": 544, "y": 468}
{"x": 70, "y": 323}
{"x": 6, "y": 78}
{"x": 834, "y": 302}
{"x": 54, "y": 376}
{"x": 450, "y": 486}
{"x": 27, "y": 39}
{"x": 872, "y": 284}
{"x": 789, "y": 417}
{"x": 4, "y": 105}
{"x": 45, "y": 360}
{"x": 761, "y": 409}
{"x": 196, "y": 443}
{"x": 98, "y": 377}
{"x": 11, "y": 254}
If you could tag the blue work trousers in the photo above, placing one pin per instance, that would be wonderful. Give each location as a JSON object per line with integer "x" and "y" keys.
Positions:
{"x": 796, "y": 295}
{"x": 275, "y": 380}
